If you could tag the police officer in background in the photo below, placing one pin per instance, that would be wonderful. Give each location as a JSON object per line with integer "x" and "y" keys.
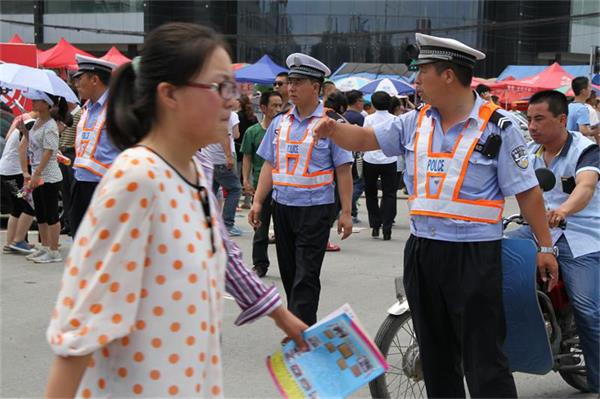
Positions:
{"x": 94, "y": 151}
{"x": 300, "y": 171}
{"x": 463, "y": 157}
{"x": 575, "y": 161}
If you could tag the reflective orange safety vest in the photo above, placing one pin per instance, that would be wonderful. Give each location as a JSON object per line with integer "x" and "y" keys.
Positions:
{"x": 300, "y": 151}
{"x": 447, "y": 172}
{"x": 86, "y": 141}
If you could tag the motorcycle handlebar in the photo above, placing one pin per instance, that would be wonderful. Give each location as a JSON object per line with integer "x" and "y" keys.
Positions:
{"x": 518, "y": 219}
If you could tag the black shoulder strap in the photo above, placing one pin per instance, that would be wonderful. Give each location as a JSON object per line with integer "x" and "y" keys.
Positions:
{"x": 502, "y": 121}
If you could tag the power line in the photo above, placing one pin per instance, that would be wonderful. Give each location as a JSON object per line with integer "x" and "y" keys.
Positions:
{"x": 484, "y": 25}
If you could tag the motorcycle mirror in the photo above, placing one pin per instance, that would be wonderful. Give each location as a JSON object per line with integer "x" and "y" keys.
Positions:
{"x": 546, "y": 179}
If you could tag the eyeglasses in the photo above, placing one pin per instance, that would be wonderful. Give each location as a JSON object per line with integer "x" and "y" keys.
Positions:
{"x": 227, "y": 90}
{"x": 277, "y": 84}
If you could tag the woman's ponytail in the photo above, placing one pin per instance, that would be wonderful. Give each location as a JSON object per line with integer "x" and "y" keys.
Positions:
{"x": 126, "y": 122}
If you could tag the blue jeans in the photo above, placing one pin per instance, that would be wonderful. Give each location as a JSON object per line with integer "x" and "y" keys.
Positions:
{"x": 227, "y": 179}
{"x": 582, "y": 279}
{"x": 581, "y": 276}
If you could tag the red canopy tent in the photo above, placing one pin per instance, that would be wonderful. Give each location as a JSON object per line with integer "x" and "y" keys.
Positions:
{"x": 61, "y": 56}
{"x": 115, "y": 56}
{"x": 550, "y": 78}
{"x": 16, "y": 39}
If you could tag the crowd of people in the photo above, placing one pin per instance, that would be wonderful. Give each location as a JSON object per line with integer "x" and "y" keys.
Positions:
{"x": 154, "y": 164}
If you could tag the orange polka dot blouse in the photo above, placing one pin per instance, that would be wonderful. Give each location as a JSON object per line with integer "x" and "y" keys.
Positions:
{"x": 142, "y": 289}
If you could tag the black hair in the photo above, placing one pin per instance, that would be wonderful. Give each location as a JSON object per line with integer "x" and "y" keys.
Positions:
{"x": 481, "y": 88}
{"x": 173, "y": 53}
{"x": 463, "y": 74}
{"x": 337, "y": 101}
{"x": 381, "y": 100}
{"x": 328, "y": 82}
{"x": 495, "y": 99}
{"x": 266, "y": 96}
{"x": 394, "y": 103}
{"x": 103, "y": 76}
{"x": 284, "y": 74}
{"x": 60, "y": 110}
{"x": 557, "y": 102}
{"x": 353, "y": 96}
{"x": 579, "y": 83}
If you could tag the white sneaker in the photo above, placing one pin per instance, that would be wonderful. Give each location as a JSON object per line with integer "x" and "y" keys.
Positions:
{"x": 49, "y": 257}
{"x": 39, "y": 252}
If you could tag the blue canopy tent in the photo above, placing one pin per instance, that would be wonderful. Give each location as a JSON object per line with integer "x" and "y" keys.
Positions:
{"x": 263, "y": 71}
{"x": 372, "y": 71}
{"x": 525, "y": 71}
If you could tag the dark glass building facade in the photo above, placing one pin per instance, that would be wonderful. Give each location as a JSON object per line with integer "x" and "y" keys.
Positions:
{"x": 335, "y": 31}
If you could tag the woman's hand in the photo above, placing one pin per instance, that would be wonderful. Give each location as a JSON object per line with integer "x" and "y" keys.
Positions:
{"x": 292, "y": 326}
{"x": 35, "y": 181}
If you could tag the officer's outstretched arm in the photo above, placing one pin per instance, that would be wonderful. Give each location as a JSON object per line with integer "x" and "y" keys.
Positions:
{"x": 347, "y": 136}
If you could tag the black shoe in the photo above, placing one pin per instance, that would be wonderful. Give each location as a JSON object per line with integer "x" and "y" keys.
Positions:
{"x": 375, "y": 232}
{"x": 260, "y": 270}
{"x": 387, "y": 235}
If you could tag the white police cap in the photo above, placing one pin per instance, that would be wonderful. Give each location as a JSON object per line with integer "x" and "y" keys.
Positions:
{"x": 433, "y": 49}
{"x": 90, "y": 64}
{"x": 305, "y": 66}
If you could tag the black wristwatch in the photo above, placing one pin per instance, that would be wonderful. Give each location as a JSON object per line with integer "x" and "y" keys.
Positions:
{"x": 549, "y": 250}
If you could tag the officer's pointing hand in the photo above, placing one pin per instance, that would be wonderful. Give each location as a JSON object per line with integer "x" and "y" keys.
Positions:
{"x": 324, "y": 129}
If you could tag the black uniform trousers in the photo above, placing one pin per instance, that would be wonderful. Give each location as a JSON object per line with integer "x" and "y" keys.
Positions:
{"x": 301, "y": 234}
{"x": 260, "y": 241}
{"x": 381, "y": 215}
{"x": 454, "y": 290}
{"x": 80, "y": 201}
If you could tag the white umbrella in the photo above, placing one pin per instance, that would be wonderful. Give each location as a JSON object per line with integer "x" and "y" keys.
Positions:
{"x": 25, "y": 78}
{"x": 350, "y": 83}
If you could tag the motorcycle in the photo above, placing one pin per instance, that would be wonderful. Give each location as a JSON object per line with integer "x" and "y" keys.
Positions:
{"x": 539, "y": 314}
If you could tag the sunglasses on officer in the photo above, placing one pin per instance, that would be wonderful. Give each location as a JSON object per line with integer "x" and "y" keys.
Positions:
{"x": 280, "y": 83}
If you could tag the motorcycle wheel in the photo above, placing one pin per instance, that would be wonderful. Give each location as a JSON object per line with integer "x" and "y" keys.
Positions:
{"x": 576, "y": 378}
{"x": 397, "y": 342}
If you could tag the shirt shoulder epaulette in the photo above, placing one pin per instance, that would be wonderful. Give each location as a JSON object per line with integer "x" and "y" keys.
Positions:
{"x": 420, "y": 107}
{"x": 500, "y": 120}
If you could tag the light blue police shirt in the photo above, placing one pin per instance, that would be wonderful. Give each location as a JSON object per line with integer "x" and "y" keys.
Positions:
{"x": 579, "y": 154}
{"x": 326, "y": 155}
{"x": 106, "y": 151}
{"x": 579, "y": 115}
{"x": 486, "y": 178}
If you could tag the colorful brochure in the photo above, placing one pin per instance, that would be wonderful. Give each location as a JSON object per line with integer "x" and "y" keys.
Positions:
{"x": 341, "y": 359}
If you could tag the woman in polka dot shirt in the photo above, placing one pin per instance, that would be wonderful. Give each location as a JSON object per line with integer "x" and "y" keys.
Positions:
{"x": 140, "y": 308}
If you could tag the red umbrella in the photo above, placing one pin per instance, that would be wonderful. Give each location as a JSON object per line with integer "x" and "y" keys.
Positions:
{"x": 115, "y": 56}
{"x": 16, "y": 39}
{"x": 61, "y": 56}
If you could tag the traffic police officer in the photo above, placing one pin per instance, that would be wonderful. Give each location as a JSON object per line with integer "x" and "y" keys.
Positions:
{"x": 463, "y": 157}
{"x": 575, "y": 198}
{"x": 94, "y": 152}
{"x": 300, "y": 171}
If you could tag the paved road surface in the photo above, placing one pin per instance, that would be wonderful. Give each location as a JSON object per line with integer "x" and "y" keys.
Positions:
{"x": 361, "y": 274}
